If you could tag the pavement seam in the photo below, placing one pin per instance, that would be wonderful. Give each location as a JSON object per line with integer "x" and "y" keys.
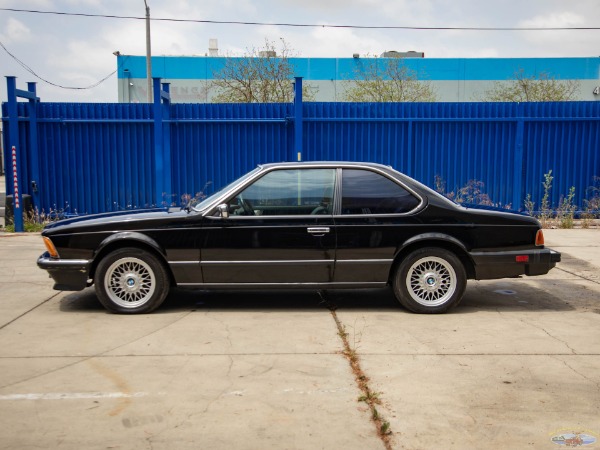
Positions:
{"x": 28, "y": 311}
{"x": 203, "y": 355}
{"x": 84, "y": 358}
{"x": 579, "y": 276}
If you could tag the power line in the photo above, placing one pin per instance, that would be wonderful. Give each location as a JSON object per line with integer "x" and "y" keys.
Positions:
{"x": 32, "y": 72}
{"x": 307, "y": 25}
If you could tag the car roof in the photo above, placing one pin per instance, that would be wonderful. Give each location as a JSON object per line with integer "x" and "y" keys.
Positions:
{"x": 327, "y": 164}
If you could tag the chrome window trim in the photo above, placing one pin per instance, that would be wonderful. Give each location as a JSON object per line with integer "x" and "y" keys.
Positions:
{"x": 385, "y": 175}
{"x": 337, "y": 191}
{"x": 232, "y": 190}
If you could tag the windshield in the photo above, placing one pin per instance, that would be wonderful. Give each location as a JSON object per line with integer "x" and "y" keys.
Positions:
{"x": 201, "y": 204}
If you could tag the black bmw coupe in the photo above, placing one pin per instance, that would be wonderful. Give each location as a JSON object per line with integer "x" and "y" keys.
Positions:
{"x": 317, "y": 225}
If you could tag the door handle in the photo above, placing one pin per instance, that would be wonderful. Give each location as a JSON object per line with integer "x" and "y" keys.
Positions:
{"x": 318, "y": 231}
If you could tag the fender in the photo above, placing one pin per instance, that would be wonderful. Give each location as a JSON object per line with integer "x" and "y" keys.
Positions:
{"x": 129, "y": 236}
{"x": 432, "y": 237}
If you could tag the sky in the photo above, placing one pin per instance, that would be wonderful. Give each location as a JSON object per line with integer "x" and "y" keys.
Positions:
{"x": 78, "y": 51}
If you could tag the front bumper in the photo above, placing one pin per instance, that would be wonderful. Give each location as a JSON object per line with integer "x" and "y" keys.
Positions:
{"x": 492, "y": 265}
{"x": 68, "y": 274}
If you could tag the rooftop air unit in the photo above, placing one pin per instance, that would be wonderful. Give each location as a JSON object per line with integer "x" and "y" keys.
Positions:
{"x": 409, "y": 54}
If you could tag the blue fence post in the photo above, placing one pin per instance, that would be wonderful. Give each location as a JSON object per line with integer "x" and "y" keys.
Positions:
{"x": 162, "y": 144}
{"x": 34, "y": 159}
{"x": 166, "y": 107}
{"x": 298, "y": 118}
{"x": 518, "y": 172}
{"x": 158, "y": 146}
{"x": 14, "y": 152}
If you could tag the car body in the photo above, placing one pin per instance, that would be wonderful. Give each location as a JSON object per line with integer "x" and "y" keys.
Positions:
{"x": 315, "y": 225}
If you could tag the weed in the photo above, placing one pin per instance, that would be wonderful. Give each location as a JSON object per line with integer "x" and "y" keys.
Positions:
{"x": 471, "y": 193}
{"x": 440, "y": 185}
{"x": 342, "y": 333}
{"x": 385, "y": 428}
{"x": 529, "y": 205}
{"x": 545, "y": 211}
{"x": 376, "y": 416}
{"x": 566, "y": 210}
{"x": 591, "y": 204}
{"x": 35, "y": 220}
{"x": 368, "y": 396}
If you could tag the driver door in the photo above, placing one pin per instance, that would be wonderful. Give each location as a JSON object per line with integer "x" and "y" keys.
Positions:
{"x": 279, "y": 231}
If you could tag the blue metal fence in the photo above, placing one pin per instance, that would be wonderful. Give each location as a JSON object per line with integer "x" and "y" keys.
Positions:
{"x": 87, "y": 158}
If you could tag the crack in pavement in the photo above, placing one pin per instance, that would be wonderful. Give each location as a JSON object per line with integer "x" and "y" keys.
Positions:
{"x": 597, "y": 383}
{"x": 370, "y": 397}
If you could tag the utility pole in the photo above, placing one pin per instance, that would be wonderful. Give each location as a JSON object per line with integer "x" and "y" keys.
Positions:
{"x": 148, "y": 54}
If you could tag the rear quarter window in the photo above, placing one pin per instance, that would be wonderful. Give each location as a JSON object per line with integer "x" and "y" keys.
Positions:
{"x": 366, "y": 192}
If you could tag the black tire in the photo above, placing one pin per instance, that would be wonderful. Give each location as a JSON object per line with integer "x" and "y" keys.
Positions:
{"x": 430, "y": 280}
{"x": 131, "y": 281}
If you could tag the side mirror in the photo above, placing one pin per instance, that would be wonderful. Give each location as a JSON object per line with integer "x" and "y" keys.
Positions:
{"x": 223, "y": 210}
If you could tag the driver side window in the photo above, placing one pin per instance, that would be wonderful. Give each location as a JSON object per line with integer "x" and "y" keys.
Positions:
{"x": 289, "y": 192}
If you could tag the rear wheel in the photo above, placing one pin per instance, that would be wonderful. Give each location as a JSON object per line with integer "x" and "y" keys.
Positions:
{"x": 430, "y": 280}
{"x": 131, "y": 281}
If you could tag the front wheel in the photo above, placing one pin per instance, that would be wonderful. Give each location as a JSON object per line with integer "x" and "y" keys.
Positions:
{"x": 430, "y": 280}
{"x": 131, "y": 281}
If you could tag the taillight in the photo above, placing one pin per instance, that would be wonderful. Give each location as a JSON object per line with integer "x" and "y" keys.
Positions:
{"x": 539, "y": 238}
{"x": 50, "y": 247}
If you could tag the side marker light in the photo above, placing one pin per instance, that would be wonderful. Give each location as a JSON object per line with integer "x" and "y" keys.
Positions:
{"x": 539, "y": 238}
{"x": 50, "y": 247}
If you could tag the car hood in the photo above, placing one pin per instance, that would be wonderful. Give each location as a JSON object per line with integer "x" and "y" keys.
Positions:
{"x": 123, "y": 219}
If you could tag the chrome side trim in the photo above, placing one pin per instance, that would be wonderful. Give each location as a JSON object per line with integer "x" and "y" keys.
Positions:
{"x": 364, "y": 261}
{"x": 278, "y": 262}
{"x": 307, "y": 285}
{"x": 183, "y": 262}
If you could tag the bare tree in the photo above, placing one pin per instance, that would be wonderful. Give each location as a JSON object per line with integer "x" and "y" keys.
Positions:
{"x": 543, "y": 88}
{"x": 262, "y": 75}
{"x": 388, "y": 80}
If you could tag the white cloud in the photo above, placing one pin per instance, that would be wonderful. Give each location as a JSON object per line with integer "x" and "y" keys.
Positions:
{"x": 557, "y": 43}
{"x": 15, "y": 31}
{"x": 554, "y": 20}
{"x": 78, "y": 50}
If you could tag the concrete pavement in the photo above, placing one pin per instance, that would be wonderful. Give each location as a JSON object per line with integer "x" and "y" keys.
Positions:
{"x": 513, "y": 366}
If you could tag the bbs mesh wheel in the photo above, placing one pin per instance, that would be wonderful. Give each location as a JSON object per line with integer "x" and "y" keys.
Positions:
{"x": 131, "y": 281}
{"x": 430, "y": 280}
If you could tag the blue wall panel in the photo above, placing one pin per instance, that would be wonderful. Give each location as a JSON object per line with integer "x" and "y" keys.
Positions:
{"x": 101, "y": 157}
{"x": 204, "y": 67}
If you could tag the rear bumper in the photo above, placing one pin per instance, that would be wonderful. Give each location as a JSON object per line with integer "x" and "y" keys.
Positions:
{"x": 492, "y": 265}
{"x": 68, "y": 274}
